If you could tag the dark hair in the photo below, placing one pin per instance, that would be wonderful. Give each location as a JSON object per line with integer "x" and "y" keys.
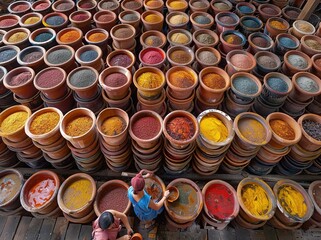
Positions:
{"x": 105, "y": 220}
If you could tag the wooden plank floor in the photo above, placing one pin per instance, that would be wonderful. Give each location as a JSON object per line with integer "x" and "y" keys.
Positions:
{"x": 24, "y": 227}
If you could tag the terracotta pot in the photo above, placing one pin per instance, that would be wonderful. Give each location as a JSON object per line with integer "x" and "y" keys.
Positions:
{"x": 91, "y": 191}
{"x": 307, "y": 142}
{"x": 156, "y": 105}
{"x": 316, "y": 66}
{"x": 174, "y": 24}
{"x": 64, "y": 6}
{"x": 173, "y": 62}
{"x": 272, "y": 30}
{"x": 226, "y": 46}
{"x": 134, "y": 21}
{"x": 199, "y": 44}
{"x": 154, "y": 36}
{"x": 148, "y": 25}
{"x": 201, "y": 61}
{"x": 267, "y": 11}
{"x": 81, "y": 20}
{"x": 301, "y": 28}
{"x": 135, "y": 5}
{"x": 226, "y": 21}
{"x": 75, "y": 44}
{"x": 45, "y": 44}
{"x": 111, "y": 5}
{"x": 291, "y": 69}
{"x": 105, "y": 19}
{"x": 121, "y": 52}
{"x": 259, "y": 42}
{"x": 302, "y": 95}
{"x": 267, "y": 62}
{"x": 197, "y": 25}
{"x": 157, "y": 5}
{"x": 42, "y": 6}
{"x": 244, "y": 8}
{"x": 181, "y": 8}
{"x": 307, "y": 48}
{"x": 198, "y": 6}
{"x": 59, "y": 27}
{"x": 313, "y": 189}
{"x": 15, "y": 21}
{"x": 3, "y": 72}
{"x": 123, "y": 42}
{"x": 32, "y": 26}
{"x": 137, "y": 236}
{"x": 235, "y": 62}
{"x": 175, "y": 37}
{"x": 36, "y": 178}
{"x": 291, "y": 13}
{"x": 37, "y": 62}
{"x": 218, "y": 6}
{"x": 87, "y": 5}
{"x": 85, "y": 139}
{"x": 250, "y": 25}
{"x": 64, "y": 104}
{"x": 96, "y": 63}
{"x": 145, "y": 51}
{"x": 20, "y": 43}
{"x": 10, "y": 63}
{"x": 90, "y": 39}
{"x": 23, "y": 7}
{"x": 282, "y": 45}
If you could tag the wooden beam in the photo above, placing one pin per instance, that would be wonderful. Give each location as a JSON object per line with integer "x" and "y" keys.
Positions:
{"x": 308, "y": 9}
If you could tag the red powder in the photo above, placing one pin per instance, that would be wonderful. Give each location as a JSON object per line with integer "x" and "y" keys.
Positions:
{"x": 41, "y": 193}
{"x": 180, "y": 128}
{"x": 86, "y": 5}
{"x": 122, "y": 60}
{"x": 219, "y": 201}
{"x": 105, "y": 18}
{"x": 152, "y": 57}
{"x": 146, "y": 128}
{"x": 64, "y": 6}
{"x": 50, "y": 78}
{"x": 41, "y": 6}
{"x": 115, "y": 199}
{"x": 20, "y": 79}
{"x": 115, "y": 80}
{"x": 80, "y": 17}
{"x": 8, "y": 22}
{"x": 20, "y": 8}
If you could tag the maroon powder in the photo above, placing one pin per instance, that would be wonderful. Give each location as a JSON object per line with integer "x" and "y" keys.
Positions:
{"x": 86, "y": 5}
{"x": 50, "y": 78}
{"x": 20, "y": 79}
{"x": 152, "y": 57}
{"x": 20, "y": 8}
{"x": 8, "y": 22}
{"x": 146, "y": 128}
{"x": 80, "y": 17}
{"x": 122, "y": 60}
{"x": 115, "y": 199}
{"x": 115, "y": 80}
{"x": 32, "y": 57}
{"x": 41, "y": 6}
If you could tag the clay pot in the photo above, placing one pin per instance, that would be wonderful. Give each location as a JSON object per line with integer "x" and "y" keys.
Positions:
{"x": 282, "y": 45}
{"x": 59, "y": 27}
{"x": 282, "y": 215}
{"x": 101, "y": 43}
{"x": 85, "y": 209}
{"x": 23, "y": 7}
{"x": 42, "y": 6}
{"x": 36, "y": 63}
{"x": 156, "y": 34}
{"x": 184, "y": 19}
{"x": 134, "y": 5}
{"x": 267, "y": 11}
{"x": 111, "y": 5}
{"x": 173, "y": 62}
{"x": 33, "y": 26}
{"x": 123, "y": 42}
{"x": 314, "y": 197}
{"x": 198, "y": 6}
{"x": 135, "y": 22}
{"x": 199, "y": 44}
{"x": 212, "y": 95}
{"x": 21, "y": 43}
{"x": 244, "y": 9}
{"x": 226, "y": 46}
{"x": 74, "y": 44}
{"x": 301, "y": 28}
{"x": 218, "y": 6}
{"x": 45, "y": 44}
{"x": 307, "y": 142}
{"x": 290, "y": 69}
{"x": 197, "y": 25}
{"x": 3, "y": 72}
{"x": 96, "y": 63}
{"x": 83, "y": 23}
{"x": 300, "y": 94}
{"x": 137, "y": 236}
{"x": 156, "y": 105}
{"x": 35, "y": 179}
{"x": 147, "y": 25}
{"x": 64, "y": 6}
{"x": 160, "y": 64}
{"x": 118, "y": 52}
{"x": 145, "y": 143}
{"x": 267, "y": 62}
{"x": 68, "y": 65}
{"x": 226, "y": 21}
{"x": 174, "y": 37}
{"x": 200, "y": 60}
{"x": 180, "y": 144}
{"x": 87, "y": 5}
{"x": 310, "y": 51}
{"x": 291, "y": 13}
{"x": 235, "y": 62}
{"x": 105, "y": 19}
{"x": 15, "y": 22}
{"x": 85, "y": 139}
{"x": 10, "y": 63}
{"x": 157, "y": 5}
{"x": 181, "y": 8}
{"x": 316, "y": 66}
{"x": 250, "y": 25}
{"x": 273, "y": 30}
{"x": 244, "y": 95}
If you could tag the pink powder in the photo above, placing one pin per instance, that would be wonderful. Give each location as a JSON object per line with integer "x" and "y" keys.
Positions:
{"x": 241, "y": 61}
{"x": 20, "y": 79}
{"x": 41, "y": 6}
{"x": 8, "y": 22}
{"x": 152, "y": 57}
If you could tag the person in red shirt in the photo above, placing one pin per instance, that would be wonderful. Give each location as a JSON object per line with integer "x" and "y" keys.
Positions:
{"x": 107, "y": 226}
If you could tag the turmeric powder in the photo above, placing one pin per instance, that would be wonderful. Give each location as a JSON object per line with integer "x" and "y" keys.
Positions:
{"x": 182, "y": 79}
{"x": 213, "y": 129}
{"x": 149, "y": 80}
{"x": 14, "y": 121}
{"x": 44, "y": 123}
{"x": 113, "y": 126}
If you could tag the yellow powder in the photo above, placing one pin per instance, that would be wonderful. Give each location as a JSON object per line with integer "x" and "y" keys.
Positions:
{"x": 179, "y": 38}
{"x": 32, "y": 20}
{"x": 17, "y": 37}
{"x": 178, "y": 19}
{"x": 153, "y": 18}
{"x": 178, "y": 4}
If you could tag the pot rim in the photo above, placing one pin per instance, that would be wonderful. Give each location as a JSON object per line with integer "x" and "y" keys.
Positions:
{"x": 301, "y": 54}
{"x": 93, "y": 31}
{"x": 174, "y": 13}
{"x": 88, "y": 47}
{"x": 17, "y": 71}
{"x": 271, "y": 55}
{"x": 25, "y": 50}
{"x": 206, "y": 31}
{"x": 54, "y": 14}
{"x": 17, "y": 3}
{"x": 176, "y": 9}
{"x": 230, "y": 14}
{"x": 308, "y": 75}
{"x": 39, "y": 31}
{"x": 17, "y": 49}
{"x": 39, "y": 2}
{"x": 86, "y": 9}
{"x": 309, "y": 116}
{"x": 125, "y": 12}
{"x": 26, "y": 16}
{"x": 144, "y": 50}
{"x": 148, "y": 12}
{"x": 56, "y": 4}
{"x": 75, "y": 88}
{"x": 178, "y": 30}
{"x": 78, "y": 12}
{"x": 104, "y": 12}
{"x": 185, "y": 49}
{"x": 302, "y": 32}
{"x": 16, "y": 17}
{"x": 58, "y": 47}
{"x": 13, "y": 31}
{"x": 99, "y": 5}
{"x": 285, "y": 78}
{"x": 116, "y": 27}
{"x": 114, "y": 69}
{"x": 218, "y": 71}
{"x": 196, "y": 14}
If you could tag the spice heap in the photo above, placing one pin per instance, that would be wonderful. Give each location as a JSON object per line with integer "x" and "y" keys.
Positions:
{"x": 180, "y": 38}
{"x": 233, "y": 39}
{"x": 44, "y": 123}
{"x": 277, "y": 84}
{"x": 252, "y": 130}
{"x": 79, "y": 126}
{"x": 213, "y": 129}
{"x": 149, "y": 80}
{"x": 313, "y": 44}
{"x": 178, "y": 4}
{"x": 153, "y": 41}
{"x": 82, "y": 78}
{"x": 287, "y": 42}
{"x": 70, "y": 36}
{"x": 304, "y": 27}
{"x": 17, "y": 37}
{"x": 105, "y": 18}
{"x": 130, "y": 17}
{"x": 97, "y": 37}
{"x": 282, "y": 129}
{"x": 202, "y": 19}
{"x": 278, "y": 24}
{"x": 123, "y": 33}
{"x": 307, "y": 84}
{"x": 297, "y": 61}
{"x": 32, "y": 56}
{"x": 59, "y": 56}
{"x": 261, "y": 42}
{"x": 115, "y": 80}
{"x": 146, "y": 127}
{"x": 113, "y": 126}
{"x": 14, "y": 122}
{"x": 153, "y": 18}
{"x": 122, "y": 60}
{"x": 80, "y": 17}
{"x": 180, "y": 128}
{"x": 205, "y": 38}
{"x": 178, "y": 19}
{"x": 207, "y": 57}
{"x": 31, "y": 20}
{"x": 88, "y": 56}
{"x": 153, "y": 3}
{"x": 214, "y": 81}
{"x": 267, "y": 62}
{"x": 41, "y": 193}
{"x": 64, "y": 6}
{"x": 10, "y": 185}
{"x": 181, "y": 79}
{"x": 312, "y": 128}
{"x": 8, "y": 22}
{"x": 241, "y": 61}
{"x": 180, "y": 56}
{"x": 115, "y": 198}
{"x": 221, "y": 6}
{"x": 43, "y": 37}
{"x": 20, "y": 79}
{"x": 152, "y": 57}
{"x": 245, "y": 85}
{"x": 55, "y": 20}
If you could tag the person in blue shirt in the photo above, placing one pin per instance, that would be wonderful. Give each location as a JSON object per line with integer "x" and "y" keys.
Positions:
{"x": 144, "y": 207}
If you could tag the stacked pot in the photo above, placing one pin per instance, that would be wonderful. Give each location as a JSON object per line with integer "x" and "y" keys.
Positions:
{"x": 285, "y": 133}
{"x": 123, "y": 36}
{"x": 90, "y": 55}
{"x": 313, "y": 191}
{"x": 210, "y": 153}
{"x": 180, "y": 129}
{"x": 112, "y": 125}
{"x": 87, "y": 93}
{"x": 78, "y": 128}
{"x": 15, "y": 136}
{"x": 43, "y": 128}
{"x": 252, "y": 132}
{"x": 6, "y": 96}
{"x": 146, "y": 129}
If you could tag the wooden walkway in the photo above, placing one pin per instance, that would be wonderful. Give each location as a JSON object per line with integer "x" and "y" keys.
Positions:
{"x": 30, "y": 228}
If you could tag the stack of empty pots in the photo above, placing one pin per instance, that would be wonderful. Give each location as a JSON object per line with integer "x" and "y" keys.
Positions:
{"x": 306, "y": 86}
{"x": 245, "y": 87}
{"x": 13, "y": 134}
{"x": 252, "y": 132}
{"x": 76, "y": 198}
{"x": 87, "y": 93}
{"x": 147, "y": 143}
{"x": 112, "y": 125}
{"x": 180, "y": 129}
{"x": 276, "y": 89}
{"x": 43, "y": 128}
{"x": 78, "y": 128}
{"x": 285, "y": 133}
{"x": 181, "y": 84}
{"x": 216, "y": 135}
{"x": 39, "y": 194}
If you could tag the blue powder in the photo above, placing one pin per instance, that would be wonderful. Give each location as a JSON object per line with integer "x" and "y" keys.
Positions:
{"x": 287, "y": 42}
{"x": 7, "y": 54}
{"x": 55, "y": 20}
{"x": 251, "y": 23}
{"x": 88, "y": 56}
{"x": 278, "y": 84}
{"x": 43, "y": 37}
{"x": 202, "y": 20}
{"x": 245, "y": 9}
{"x": 245, "y": 85}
